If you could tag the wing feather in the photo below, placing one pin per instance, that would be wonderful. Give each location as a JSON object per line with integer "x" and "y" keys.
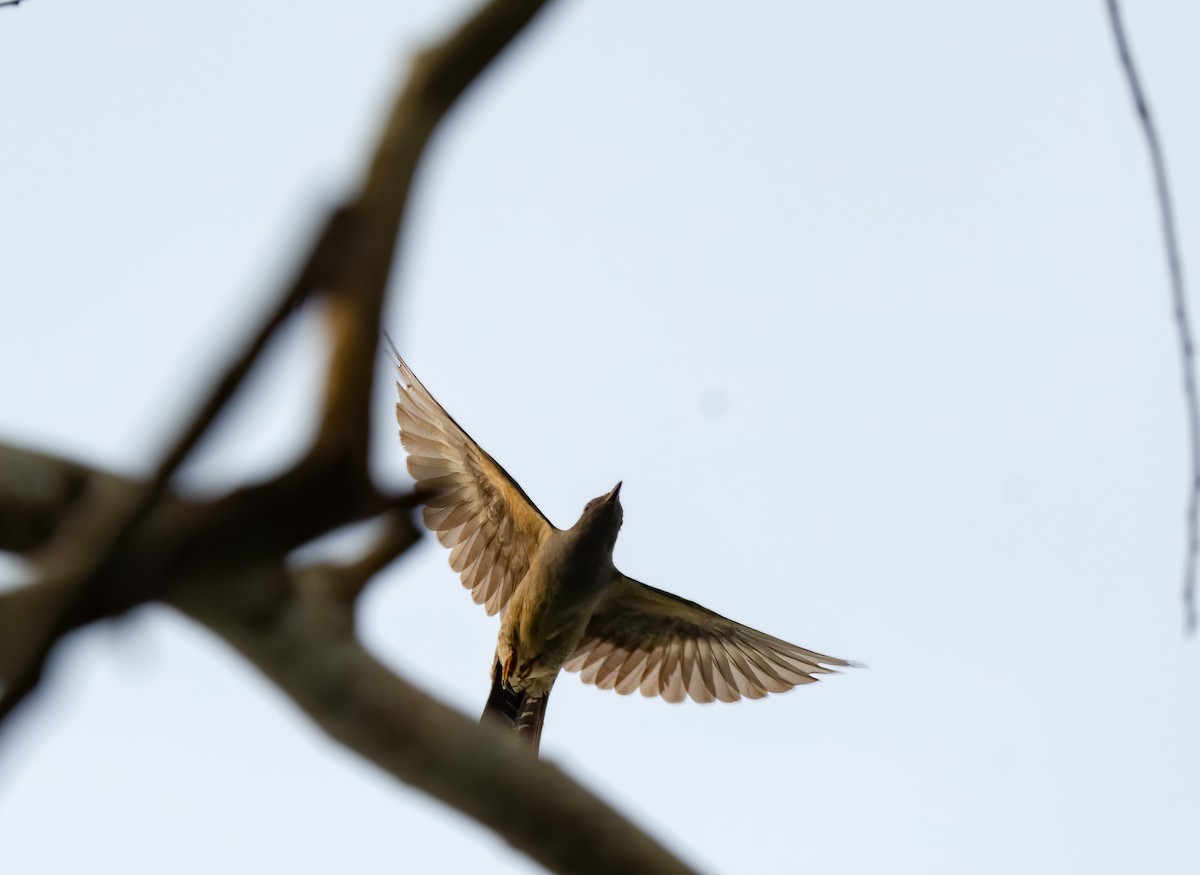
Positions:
{"x": 476, "y": 509}
{"x": 726, "y": 675}
{"x": 461, "y": 553}
{"x": 629, "y": 678}
{"x": 704, "y": 669}
{"x": 671, "y": 685}
{"x": 649, "y": 685}
{"x": 693, "y": 676}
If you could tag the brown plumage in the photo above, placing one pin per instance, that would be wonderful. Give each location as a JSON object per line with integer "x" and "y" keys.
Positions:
{"x": 564, "y": 604}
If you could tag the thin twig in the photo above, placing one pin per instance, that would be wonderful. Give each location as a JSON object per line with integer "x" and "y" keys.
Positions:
{"x": 1183, "y": 324}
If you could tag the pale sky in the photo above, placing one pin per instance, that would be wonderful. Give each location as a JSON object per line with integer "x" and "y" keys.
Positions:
{"x": 865, "y": 304}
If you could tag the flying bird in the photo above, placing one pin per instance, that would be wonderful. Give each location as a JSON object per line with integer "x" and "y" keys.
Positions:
{"x": 563, "y": 603}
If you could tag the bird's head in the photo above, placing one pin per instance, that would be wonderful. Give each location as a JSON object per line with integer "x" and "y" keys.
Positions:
{"x": 603, "y": 515}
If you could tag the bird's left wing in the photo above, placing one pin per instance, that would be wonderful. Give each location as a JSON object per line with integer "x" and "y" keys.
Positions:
{"x": 641, "y": 638}
{"x": 476, "y": 509}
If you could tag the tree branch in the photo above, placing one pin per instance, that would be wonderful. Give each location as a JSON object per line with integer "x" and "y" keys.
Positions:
{"x": 305, "y": 645}
{"x": 1183, "y": 326}
{"x": 182, "y": 541}
{"x": 106, "y": 528}
{"x": 347, "y": 581}
{"x": 351, "y": 259}
{"x": 301, "y": 636}
{"x": 224, "y": 561}
{"x": 438, "y": 77}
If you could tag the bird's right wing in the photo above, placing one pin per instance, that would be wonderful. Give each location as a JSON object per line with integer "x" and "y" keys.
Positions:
{"x": 641, "y": 638}
{"x": 476, "y": 509}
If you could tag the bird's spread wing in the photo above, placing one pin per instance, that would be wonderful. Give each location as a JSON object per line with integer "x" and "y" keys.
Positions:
{"x": 642, "y": 638}
{"x": 492, "y": 528}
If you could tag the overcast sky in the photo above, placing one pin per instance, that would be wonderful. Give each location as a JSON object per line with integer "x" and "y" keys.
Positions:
{"x": 864, "y": 302}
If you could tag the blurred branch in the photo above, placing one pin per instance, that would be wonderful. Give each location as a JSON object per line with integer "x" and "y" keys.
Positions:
{"x": 102, "y": 544}
{"x": 181, "y": 542}
{"x": 110, "y": 527}
{"x": 350, "y": 261}
{"x": 305, "y": 644}
{"x": 1179, "y": 301}
{"x": 36, "y": 492}
{"x": 438, "y": 77}
{"x": 347, "y": 581}
{"x": 301, "y": 636}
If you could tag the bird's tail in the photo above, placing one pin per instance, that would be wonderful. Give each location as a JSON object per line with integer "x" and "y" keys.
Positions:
{"x": 521, "y": 713}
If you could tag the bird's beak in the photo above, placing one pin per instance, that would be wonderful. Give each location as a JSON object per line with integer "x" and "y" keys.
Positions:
{"x": 615, "y": 492}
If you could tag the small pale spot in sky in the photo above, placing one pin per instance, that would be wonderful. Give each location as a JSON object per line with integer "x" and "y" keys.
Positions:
{"x": 1016, "y": 490}
{"x": 714, "y": 403}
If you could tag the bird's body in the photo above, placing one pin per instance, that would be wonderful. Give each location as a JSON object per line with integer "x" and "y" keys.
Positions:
{"x": 549, "y": 611}
{"x": 544, "y": 622}
{"x": 564, "y": 603}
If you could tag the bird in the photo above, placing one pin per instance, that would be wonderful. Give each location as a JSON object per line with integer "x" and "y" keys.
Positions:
{"x": 563, "y": 604}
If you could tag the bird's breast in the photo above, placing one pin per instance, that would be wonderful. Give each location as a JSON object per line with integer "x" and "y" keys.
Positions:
{"x": 548, "y": 613}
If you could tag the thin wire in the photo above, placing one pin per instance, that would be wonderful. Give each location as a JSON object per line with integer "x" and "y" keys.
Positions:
{"x": 1179, "y": 300}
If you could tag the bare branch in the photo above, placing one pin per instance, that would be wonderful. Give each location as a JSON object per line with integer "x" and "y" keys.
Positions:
{"x": 1179, "y": 301}
{"x": 36, "y": 492}
{"x": 302, "y": 637}
{"x": 352, "y": 258}
{"x": 107, "y": 532}
{"x": 223, "y": 561}
{"x": 181, "y": 542}
{"x": 347, "y": 581}
{"x": 305, "y": 645}
{"x": 438, "y": 77}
